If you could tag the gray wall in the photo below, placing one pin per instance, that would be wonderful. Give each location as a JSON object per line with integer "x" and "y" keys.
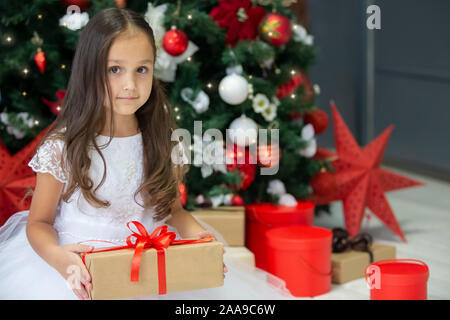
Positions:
{"x": 397, "y": 75}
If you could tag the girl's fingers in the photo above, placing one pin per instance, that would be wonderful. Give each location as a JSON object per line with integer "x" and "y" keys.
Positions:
{"x": 87, "y": 284}
{"x": 77, "y": 294}
{"x": 79, "y": 248}
{"x": 82, "y": 248}
{"x": 204, "y": 234}
{"x": 81, "y": 293}
{"x": 85, "y": 276}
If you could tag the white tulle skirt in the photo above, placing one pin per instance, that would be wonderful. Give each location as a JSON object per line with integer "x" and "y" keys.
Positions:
{"x": 24, "y": 275}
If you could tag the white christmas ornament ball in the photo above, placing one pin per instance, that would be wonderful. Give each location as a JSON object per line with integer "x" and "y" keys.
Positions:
{"x": 243, "y": 131}
{"x": 276, "y": 187}
{"x": 233, "y": 89}
{"x": 287, "y": 200}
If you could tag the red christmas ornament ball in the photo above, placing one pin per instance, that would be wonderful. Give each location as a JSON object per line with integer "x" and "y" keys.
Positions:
{"x": 237, "y": 200}
{"x": 175, "y": 42}
{"x": 275, "y": 29}
{"x": 83, "y": 4}
{"x": 121, "y": 3}
{"x": 323, "y": 183}
{"x": 318, "y": 119}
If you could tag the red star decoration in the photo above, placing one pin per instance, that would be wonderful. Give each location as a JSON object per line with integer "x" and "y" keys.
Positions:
{"x": 360, "y": 181}
{"x": 16, "y": 178}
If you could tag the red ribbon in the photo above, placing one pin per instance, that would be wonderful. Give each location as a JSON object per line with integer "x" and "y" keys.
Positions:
{"x": 159, "y": 240}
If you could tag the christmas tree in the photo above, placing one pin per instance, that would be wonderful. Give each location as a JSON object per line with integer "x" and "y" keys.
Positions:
{"x": 227, "y": 65}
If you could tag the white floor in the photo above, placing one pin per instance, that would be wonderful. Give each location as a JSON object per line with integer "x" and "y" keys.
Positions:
{"x": 424, "y": 216}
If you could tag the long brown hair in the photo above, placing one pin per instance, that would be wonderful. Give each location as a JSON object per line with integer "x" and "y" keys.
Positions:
{"x": 83, "y": 113}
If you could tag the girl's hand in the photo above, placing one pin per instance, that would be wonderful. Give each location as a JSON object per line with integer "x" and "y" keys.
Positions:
{"x": 72, "y": 268}
{"x": 204, "y": 234}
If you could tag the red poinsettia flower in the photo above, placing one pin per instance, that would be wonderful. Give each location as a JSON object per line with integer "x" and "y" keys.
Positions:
{"x": 239, "y": 18}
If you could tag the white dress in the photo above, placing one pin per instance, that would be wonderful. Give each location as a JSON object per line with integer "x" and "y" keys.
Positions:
{"x": 25, "y": 275}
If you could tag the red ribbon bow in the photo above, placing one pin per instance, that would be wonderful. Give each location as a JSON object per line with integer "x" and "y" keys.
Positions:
{"x": 159, "y": 240}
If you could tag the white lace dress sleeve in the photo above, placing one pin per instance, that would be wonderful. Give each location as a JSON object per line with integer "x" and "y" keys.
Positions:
{"x": 48, "y": 159}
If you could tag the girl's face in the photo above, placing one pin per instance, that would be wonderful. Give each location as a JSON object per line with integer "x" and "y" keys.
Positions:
{"x": 130, "y": 72}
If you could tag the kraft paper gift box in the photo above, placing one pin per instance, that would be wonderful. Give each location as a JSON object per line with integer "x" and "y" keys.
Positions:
{"x": 349, "y": 265}
{"x": 241, "y": 254}
{"x": 229, "y": 221}
{"x": 177, "y": 268}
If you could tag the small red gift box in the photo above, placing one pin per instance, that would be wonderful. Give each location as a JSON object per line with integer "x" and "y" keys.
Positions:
{"x": 264, "y": 216}
{"x": 301, "y": 255}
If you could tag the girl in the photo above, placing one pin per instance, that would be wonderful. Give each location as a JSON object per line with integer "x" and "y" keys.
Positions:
{"x": 106, "y": 158}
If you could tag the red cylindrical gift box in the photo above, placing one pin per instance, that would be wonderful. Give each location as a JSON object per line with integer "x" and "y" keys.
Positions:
{"x": 262, "y": 216}
{"x": 397, "y": 279}
{"x": 301, "y": 255}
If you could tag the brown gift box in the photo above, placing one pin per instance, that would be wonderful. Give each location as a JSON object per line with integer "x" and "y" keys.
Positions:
{"x": 229, "y": 221}
{"x": 188, "y": 267}
{"x": 241, "y": 254}
{"x": 350, "y": 265}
